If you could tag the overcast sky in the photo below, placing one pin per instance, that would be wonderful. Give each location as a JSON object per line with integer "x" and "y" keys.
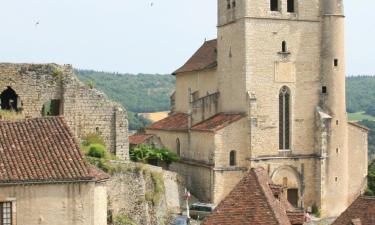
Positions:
{"x": 135, "y": 36}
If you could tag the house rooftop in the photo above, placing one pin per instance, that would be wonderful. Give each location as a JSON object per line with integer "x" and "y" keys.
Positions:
{"x": 42, "y": 150}
{"x": 204, "y": 58}
{"x": 361, "y": 212}
{"x": 137, "y": 139}
{"x": 252, "y": 201}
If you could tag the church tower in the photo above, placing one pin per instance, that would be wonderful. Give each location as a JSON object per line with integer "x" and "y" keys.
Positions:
{"x": 282, "y": 62}
{"x": 269, "y": 92}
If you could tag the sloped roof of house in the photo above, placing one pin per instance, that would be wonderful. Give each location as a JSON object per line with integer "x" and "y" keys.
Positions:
{"x": 179, "y": 122}
{"x": 204, "y": 58}
{"x": 137, "y": 139}
{"x": 251, "y": 202}
{"x": 362, "y": 212}
{"x": 42, "y": 150}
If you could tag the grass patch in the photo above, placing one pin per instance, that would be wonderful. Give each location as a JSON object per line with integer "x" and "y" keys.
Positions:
{"x": 11, "y": 115}
{"x": 359, "y": 116}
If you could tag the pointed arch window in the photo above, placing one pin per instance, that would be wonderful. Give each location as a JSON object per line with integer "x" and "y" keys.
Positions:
{"x": 284, "y": 118}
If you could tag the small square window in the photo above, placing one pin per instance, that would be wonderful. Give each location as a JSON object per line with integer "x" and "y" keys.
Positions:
{"x": 324, "y": 89}
{"x": 336, "y": 62}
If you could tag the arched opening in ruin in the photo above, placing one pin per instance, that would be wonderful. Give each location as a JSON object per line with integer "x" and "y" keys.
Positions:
{"x": 51, "y": 108}
{"x": 9, "y": 99}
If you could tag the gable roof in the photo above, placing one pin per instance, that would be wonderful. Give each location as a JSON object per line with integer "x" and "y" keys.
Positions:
{"x": 362, "y": 211}
{"x": 252, "y": 202}
{"x": 42, "y": 150}
{"x": 179, "y": 122}
{"x": 137, "y": 139}
{"x": 204, "y": 58}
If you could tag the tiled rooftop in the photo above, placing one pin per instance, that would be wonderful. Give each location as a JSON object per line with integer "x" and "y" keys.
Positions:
{"x": 42, "y": 150}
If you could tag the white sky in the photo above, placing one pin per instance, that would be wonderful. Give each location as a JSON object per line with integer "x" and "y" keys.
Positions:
{"x": 133, "y": 36}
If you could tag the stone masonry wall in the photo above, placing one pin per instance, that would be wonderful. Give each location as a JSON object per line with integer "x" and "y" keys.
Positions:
{"x": 86, "y": 110}
{"x": 144, "y": 194}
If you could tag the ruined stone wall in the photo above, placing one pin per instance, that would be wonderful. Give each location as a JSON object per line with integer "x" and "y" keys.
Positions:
{"x": 86, "y": 110}
{"x": 63, "y": 204}
{"x": 145, "y": 195}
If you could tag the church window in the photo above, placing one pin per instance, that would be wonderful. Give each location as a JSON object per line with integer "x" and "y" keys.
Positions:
{"x": 234, "y": 4}
{"x": 228, "y": 4}
{"x": 336, "y": 62}
{"x": 232, "y": 158}
{"x": 284, "y": 47}
{"x": 274, "y": 5}
{"x": 6, "y": 213}
{"x": 178, "y": 147}
{"x": 291, "y": 6}
{"x": 324, "y": 89}
{"x": 284, "y": 118}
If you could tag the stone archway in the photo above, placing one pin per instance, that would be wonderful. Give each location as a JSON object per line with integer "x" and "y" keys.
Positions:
{"x": 9, "y": 99}
{"x": 291, "y": 180}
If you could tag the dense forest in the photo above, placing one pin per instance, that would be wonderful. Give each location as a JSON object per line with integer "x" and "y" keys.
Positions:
{"x": 361, "y": 94}
{"x": 137, "y": 93}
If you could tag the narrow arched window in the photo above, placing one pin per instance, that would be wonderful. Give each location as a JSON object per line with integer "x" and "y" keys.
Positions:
{"x": 228, "y": 4}
{"x": 284, "y": 118}
{"x": 274, "y": 5}
{"x": 291, "y": 6}
{"x": 234, "y": 4}
{"x": 178, "y": 147}
{"x": 232, "y": 158}
{"x": 284, "y": 47}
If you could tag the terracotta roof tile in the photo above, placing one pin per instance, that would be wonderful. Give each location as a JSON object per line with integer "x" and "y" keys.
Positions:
{"x": 137, "y": 139}
{"x": 176, "y": 121}
{"x": 179, "y": 122}
{"x": 41, "y": 150}
{"x": 218, "y": 122}
{"x": 204, "y": 58}
{"x": 252, "y": 202}
{"x": 362, "y": 211}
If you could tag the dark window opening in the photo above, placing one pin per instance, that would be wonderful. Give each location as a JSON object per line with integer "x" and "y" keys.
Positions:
{"x": 291, "y": 6}
{"x": 234, "y": 4}
{"x": 195, "y": 95}
{"x": 284, "y": 119}
{"x": 274, "y": 5}
{"x": 336, "y": 62}
{"x": 178, "y": 147}
{"x": 336, "y": 179}
{"x": 6, "y": 213}
{"x": 232, "y": 158}
{"x": 228, "y": 4}
{"x": 324, "y": 89}
{"x": 284, "y": 47}
{"x": 337, "y": 122}
{"x": 51, "y": 108}
{"x": 9, "y": 99}
{"x": 293, "y": 196}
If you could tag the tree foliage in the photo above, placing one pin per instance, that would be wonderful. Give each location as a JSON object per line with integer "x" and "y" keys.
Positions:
{"x": 146, "y": 153}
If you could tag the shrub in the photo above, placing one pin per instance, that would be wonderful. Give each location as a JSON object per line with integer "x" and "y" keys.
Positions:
{"x": 92, "y": 138}
{"x": 146, "y": 153}
{"x": 97, "y": 151}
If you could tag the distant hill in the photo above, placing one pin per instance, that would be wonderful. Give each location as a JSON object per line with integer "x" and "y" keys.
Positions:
{"x": 137, "y": 93}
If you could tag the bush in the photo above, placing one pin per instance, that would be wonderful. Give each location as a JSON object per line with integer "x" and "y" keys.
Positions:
{"x": 97, "y": 151}
{"x": 92, "y": 138}
{"x": 146, "y": 153}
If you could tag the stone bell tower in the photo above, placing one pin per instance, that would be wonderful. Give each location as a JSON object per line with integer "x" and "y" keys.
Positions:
{"x": 281, "y": 62}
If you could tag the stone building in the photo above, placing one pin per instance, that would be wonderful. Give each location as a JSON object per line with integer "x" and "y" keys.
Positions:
{"x": 51, "y": 90}
{"x": 44, "y": 178}
{"x": 269, "y": 92}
